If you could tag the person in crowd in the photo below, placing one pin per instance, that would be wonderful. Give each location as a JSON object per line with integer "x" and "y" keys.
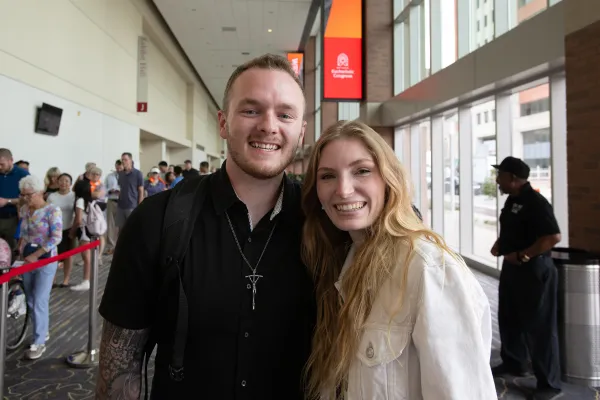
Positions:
{"x": 178, "y": 174}
{"x": 248, "y": 228}
{"x": 112, "y": 189}
{"x": 11, "y": 175}
{"x": 154, "y": 184}
{"x": 6, "y": 253}
{"x": 131, "y": 183}
{"x": 51, "y": 181}
{"x": 527, "y": 294}
{"x": 65, "y": 199}
{"x": 85, "y": 175}
{"x": 188, "y": 170}
{"x": 41, "y": 233}
{"x": 94, "y": 176}
{"x": 83, "y": 198}
{"x": 169, "y": 179}
{"x": 163, "y": 167}
{"x": 400, "y": 314}
{"x": 204, "y": 168}
{"x": 23, "y": 164}
{"x": 171, "y": 168}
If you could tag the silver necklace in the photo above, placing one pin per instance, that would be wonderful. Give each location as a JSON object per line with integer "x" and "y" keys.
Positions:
{"x": 254, "y": 277}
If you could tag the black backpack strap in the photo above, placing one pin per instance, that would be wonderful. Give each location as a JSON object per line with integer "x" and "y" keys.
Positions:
{"x": 183, "y": 208}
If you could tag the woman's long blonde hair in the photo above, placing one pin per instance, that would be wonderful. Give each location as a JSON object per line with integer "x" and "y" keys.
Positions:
{"x": 54, "y": 171}
{"x": 339, "y": 324}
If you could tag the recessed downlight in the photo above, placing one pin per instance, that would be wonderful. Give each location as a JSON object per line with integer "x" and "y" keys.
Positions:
{"x": 269, "y": 30}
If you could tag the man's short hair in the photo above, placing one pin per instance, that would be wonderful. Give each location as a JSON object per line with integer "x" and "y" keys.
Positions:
{"x": 6, "y": 153}
{"x": 163, "y": 164}
{"x": 187, "y": 162}
{"x": 268, "y": 61}
{"x": 178, "y": 170}
{"x": 204, "y": 164}
{"x": 19, "y": 162}
{"x": 127, "y": 154}
{"x": 118, "y": 162}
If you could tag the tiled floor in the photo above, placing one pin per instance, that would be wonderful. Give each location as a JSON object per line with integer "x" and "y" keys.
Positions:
{"x": 51, "y": 378}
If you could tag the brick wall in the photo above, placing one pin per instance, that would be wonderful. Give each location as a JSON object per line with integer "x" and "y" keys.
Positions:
{"x": 582, "y": 53}
{"x": 379, "y": 48}
{"x": 309, "y": 85}
{"x": 329, "y": 114}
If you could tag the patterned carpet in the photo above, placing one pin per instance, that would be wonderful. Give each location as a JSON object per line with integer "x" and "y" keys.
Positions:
{"x": 51, "y": 378}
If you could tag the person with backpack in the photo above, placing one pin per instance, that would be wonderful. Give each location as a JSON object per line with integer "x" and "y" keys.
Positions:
{"x": 89, "y": 223}
{"x": 211, "y": 270}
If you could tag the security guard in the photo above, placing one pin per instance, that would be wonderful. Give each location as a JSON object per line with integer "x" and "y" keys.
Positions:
{"x": 528, "y": 281}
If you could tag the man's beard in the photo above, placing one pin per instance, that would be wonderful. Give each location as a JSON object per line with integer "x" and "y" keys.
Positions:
{"x": 255, "y": 169}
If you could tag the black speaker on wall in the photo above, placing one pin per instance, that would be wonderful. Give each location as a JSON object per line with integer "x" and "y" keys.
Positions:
{"x": 48, "y": 119}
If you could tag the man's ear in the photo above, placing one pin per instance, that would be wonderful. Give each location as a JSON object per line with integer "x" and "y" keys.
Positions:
{"x": 222, "y": 115}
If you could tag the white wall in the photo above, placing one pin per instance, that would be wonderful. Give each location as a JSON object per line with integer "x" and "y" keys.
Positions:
{"x": 85, "y": 52}
{"x": 85, "y": 135}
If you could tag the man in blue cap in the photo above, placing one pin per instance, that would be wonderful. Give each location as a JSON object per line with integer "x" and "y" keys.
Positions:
{"x": 528, "y": 281}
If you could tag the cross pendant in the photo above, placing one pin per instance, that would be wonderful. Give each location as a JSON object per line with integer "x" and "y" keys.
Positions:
{"x": 254, "y": 279}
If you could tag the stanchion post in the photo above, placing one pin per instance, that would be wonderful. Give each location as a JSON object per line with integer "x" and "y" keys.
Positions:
{"x": 3, "y": 313}
{"x": 89, "y": 357}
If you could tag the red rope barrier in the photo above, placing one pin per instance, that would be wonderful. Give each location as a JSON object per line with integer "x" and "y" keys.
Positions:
{"x": 40, "y": 263}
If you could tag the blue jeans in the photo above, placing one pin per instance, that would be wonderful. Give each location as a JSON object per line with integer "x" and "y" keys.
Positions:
{"x": 38, "y": 285}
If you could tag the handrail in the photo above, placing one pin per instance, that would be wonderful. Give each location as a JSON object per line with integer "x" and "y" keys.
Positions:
{"x": 72, "y": 360}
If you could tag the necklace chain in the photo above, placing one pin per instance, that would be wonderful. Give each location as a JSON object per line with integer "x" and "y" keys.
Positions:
{"x": 254, "y": 277}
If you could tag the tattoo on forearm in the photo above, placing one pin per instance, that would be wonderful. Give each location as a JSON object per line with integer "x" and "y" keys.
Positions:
{"x": 121, "y": 357}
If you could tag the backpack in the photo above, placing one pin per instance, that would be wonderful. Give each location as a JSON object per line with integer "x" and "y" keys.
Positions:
{"x": 95, "y": 222}
{"x": 182, "y": 210}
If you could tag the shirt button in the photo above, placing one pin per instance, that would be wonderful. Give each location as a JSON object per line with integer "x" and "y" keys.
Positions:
{"x": 249, "y": 240}
{"x": 246, "y": 334}
{"x": 370, "y": 351}
{"x": 244, "y": 383}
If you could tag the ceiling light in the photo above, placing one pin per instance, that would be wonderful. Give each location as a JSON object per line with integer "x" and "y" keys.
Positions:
{"x": 269, "y": 30}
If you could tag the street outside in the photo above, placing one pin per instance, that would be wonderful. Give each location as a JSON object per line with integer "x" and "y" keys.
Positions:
{"x": 484, "y": 226}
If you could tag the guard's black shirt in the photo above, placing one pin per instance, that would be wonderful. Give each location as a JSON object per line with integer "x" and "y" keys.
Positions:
{"x": 524, "y": 219}
{"x": 233, "y": 352}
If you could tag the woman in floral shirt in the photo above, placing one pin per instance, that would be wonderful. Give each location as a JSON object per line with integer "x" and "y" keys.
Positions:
{"x": 41, "y": 232}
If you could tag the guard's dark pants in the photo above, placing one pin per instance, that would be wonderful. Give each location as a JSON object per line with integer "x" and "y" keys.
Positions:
{"x": 527, "y": 313}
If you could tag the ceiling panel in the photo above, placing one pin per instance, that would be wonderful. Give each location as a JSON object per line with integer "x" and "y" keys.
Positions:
{"x": 217, "y": 34}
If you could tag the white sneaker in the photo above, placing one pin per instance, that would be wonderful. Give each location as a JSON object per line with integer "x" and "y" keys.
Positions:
{"x": 35, "y": 351}
{"x": 17, "y": 303}
{"x": 81, "y": 287}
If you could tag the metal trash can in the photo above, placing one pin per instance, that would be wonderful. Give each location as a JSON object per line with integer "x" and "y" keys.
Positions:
{"x": 578, "y": 315}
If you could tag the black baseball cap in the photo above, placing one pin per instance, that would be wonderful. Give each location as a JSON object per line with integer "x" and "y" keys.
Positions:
{"x": 515, "y": 166}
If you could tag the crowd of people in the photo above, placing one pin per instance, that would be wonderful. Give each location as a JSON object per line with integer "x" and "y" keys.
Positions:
{"x": 44, "y": 218}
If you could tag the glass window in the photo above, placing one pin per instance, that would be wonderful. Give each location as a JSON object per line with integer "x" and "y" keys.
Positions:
{"x": 531, "y": 135}
{"x": 482, "y": 23}
{"x": 451, "y": 181}
{"x": 485, "y": 220}
{"x": 522, "y": 10}
{"x": 426, "y": 168}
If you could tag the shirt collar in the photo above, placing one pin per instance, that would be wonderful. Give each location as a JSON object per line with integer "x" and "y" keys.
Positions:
{"x": 224, "y": 195}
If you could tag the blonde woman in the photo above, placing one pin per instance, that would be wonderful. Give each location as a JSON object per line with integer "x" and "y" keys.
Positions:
{"x": 51, "y": 181}
{"x": 400, "y": 316}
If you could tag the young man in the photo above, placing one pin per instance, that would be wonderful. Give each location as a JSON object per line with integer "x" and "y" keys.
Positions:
{"x": 250, "y": 299}
{"x": 9, "y": 196}
{"x": 204, "y": 168}
{"x": 188, "y": 170}
{"x": 131, "y": 186}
